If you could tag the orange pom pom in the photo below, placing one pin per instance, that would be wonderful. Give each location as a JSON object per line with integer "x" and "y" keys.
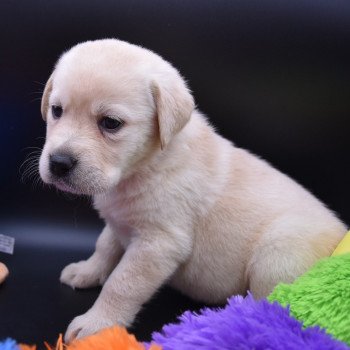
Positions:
{"x": 59, "y": 344}
{"x": 115, "y": 338}
{"x": 108, "y": 339}
{"x": 26, "y": 347}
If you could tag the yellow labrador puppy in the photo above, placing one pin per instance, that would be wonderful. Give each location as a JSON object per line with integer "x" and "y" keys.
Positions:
{"x": 182, "y": 205}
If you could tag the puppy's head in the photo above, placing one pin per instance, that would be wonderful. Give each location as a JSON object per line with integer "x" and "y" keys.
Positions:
{"x": 109, "y": 106}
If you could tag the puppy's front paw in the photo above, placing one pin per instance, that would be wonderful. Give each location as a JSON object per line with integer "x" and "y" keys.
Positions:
{"x": 89, "y": 323}
{"x": 83, "y": 274}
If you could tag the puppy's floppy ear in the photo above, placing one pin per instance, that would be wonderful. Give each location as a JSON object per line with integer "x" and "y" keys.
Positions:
{"x": 45, "y": 97}
{"x": 174, "y": 105}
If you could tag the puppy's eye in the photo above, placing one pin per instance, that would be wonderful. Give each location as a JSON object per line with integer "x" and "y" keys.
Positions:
{"x": 111, "y": 124}
{"x": 56, "y": 111}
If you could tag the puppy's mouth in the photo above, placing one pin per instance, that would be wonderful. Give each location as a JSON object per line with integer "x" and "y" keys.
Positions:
{"x": 82, "y": 184}
{"x": 65, "y": 186}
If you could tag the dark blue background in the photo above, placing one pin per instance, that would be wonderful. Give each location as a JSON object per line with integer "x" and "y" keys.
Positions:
{"x": 273, "y": 76}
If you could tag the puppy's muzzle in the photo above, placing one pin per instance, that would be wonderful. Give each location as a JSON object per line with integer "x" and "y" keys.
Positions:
{"x": 61, "y": 164}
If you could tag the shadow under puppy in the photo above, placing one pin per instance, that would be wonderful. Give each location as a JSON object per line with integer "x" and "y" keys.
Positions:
{"x": 182, "y": 204}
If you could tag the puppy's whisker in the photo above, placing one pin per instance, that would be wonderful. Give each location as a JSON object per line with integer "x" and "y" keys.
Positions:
{"x": 35, "y": 99}
{"x": 32, "y": 147}
{"x": 31, "y": 156}
{"x": 29, "y": 167}
{"x": 37, "y": 181}
{"x": 39, "y": 83}
{"x": 30, "y": 176}
{"x": 32, "y": 160}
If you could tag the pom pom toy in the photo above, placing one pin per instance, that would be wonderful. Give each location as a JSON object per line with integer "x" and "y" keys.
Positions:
{"x": 115, "y": 338}
{"x": 8, "y": 344}
{"x": 4, "y": 272}
{"x": 319, "y": 298}
{"x": 244, "y": 324}
{"x": 322, "y": 295}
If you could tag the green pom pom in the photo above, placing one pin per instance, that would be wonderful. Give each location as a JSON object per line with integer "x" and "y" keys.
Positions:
{"x": 321, "y": 296}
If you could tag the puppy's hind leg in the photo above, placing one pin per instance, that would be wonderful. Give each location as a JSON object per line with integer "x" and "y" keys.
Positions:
{"x": 95, "y": 270}
{"x": 287, "y": 249}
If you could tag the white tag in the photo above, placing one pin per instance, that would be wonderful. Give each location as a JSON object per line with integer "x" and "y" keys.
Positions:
{"x": 7, "y": 244}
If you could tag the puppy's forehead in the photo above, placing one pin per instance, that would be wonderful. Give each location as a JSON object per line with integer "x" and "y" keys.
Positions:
{"x": 94, "y": 72}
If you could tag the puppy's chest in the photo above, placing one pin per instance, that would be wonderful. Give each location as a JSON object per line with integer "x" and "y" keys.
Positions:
{"x": 121, "y": 225}
{"x": 123, "y": 214}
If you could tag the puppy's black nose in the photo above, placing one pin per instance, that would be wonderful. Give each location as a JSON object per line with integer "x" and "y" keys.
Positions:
{"x": 61, "y": 164}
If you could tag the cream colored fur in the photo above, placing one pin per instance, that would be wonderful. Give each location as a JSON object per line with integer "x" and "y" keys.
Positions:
{"x": 182, "y": 205}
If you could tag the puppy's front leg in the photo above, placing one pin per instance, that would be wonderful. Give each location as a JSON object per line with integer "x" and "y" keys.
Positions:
{"x": 95, "y": 270}
{"x": 148, "y": 262}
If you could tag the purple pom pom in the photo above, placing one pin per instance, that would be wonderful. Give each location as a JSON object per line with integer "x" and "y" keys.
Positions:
{"x": 244, "y": 324}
